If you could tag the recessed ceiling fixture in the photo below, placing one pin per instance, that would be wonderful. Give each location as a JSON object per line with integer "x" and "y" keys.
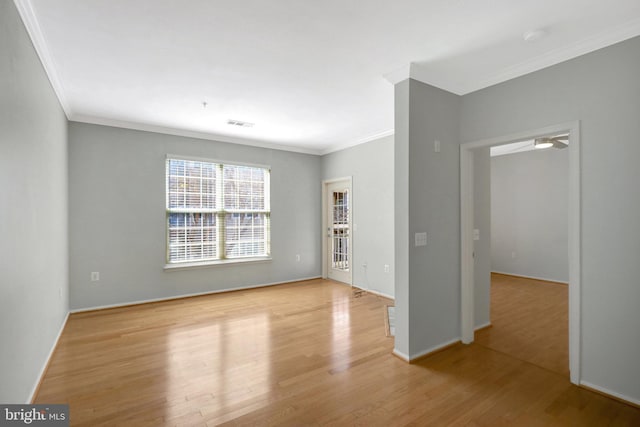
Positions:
{"x": 239, "y": 123}
{"x": 533, "y": 35}
{"x": 560, "y": 141}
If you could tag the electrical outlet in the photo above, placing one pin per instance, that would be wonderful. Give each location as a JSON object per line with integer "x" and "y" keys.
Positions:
{"x": 386, "y": 268}
{"x": 95, "y": 276}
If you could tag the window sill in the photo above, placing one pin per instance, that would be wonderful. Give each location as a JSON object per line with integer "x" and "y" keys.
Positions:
{"x": 184, "y": 265}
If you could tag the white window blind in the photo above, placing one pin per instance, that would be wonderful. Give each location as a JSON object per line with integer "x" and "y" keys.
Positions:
{"x": 216, "y": 211}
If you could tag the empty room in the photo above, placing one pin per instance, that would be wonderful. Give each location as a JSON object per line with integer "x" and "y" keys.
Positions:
{"x": 529, "y": 225}
{"x": 210, "y": 207}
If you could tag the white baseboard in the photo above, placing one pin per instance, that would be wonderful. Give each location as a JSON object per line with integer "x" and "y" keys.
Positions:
{"x": 617, "y": 395}
{"x": 371, "y": 291}
{"x": 401, "y": 355}
{"x": 484, "y": 325}
{"x": 434, "y": 348}
{"x": 217, "y": 291}
{"x": 420, "y": 354}
{"x": 46, "y": 361}
{"x": 530, "y": 277}
{"x": 381, "y": 294}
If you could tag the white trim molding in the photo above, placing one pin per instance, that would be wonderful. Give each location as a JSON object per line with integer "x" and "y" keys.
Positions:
{"x": 146, "y": 127}
{"x": 605, "y": 391}
{"x": 483, "y": 326}
{"x": 195, "y": 294}
{"x": 43, "y": 370}
{"x": 466, "y": 248}
{"x": 466, "y": 232}
{"x": 380, "y": 294}
{"x": 424, "y": 73}
{"x": 434, "y": 349}
{"x": 425, "y": 353}
{"x": 25, "y": 9}
{"x": 542, "y": 279}
{"x": 374, "y": 137}
{"x": 560, "y": 54}
{"x": 401, "y": 355}
{"x": 325, "y": 223}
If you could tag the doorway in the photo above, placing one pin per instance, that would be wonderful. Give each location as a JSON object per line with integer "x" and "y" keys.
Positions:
{"x": 521, "y": 265}
{"x": 337, "y": 230}
{"x": 528, "y": 321}
{"x": 467, "y": 233}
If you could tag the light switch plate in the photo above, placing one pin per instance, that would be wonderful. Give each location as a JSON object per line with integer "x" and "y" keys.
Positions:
{"x": 421, "y": 239}
{"x": 476, "y": 234}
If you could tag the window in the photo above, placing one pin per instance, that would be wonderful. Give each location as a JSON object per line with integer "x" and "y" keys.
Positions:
{"x": 216, "y": 211}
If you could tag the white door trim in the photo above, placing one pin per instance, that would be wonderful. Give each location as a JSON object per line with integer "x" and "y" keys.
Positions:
{"x": 325, "y": 224}
{"x": 575, "y": 256}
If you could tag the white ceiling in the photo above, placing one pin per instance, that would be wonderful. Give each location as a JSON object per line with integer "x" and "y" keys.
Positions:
{"x": 313, "y": 76}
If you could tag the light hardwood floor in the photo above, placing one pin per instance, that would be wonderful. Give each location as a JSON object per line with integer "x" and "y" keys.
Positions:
{"x": 530, "y": 321}
{"x": 307, "y": 353}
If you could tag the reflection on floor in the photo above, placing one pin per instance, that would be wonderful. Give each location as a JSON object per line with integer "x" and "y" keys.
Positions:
{"x": 530, "y": 322}
{"x": 305, "y": 353}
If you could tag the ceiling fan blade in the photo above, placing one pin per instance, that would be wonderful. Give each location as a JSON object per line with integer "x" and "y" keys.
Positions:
{"x": 559, "y": 144}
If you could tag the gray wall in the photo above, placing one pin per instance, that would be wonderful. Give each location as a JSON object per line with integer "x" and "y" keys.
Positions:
{"x": 117, "y": 212}
{"x": 430, "y": 278}
{"x": 402, "y": 91}
{"x": 482, "y": 193}
{"x": 371, "y": 166}
{"x": 602, "y": 90}
{"x": 529, "y": 214}
{"x": 33, "y": 218}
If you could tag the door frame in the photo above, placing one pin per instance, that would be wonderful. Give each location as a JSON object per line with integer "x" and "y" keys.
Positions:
{"x": 325, "y": 224}
{"x": 574, "y": 232}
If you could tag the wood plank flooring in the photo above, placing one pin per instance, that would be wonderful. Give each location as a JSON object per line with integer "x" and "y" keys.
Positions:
{"x": 530, "y": 321}
{"x": 307, "y": 353}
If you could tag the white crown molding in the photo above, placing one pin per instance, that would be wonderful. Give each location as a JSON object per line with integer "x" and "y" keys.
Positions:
{"x": 222, "y": 138}
{"x": 25, "y": 9}
{"x": 402, "y": 73}
{"x": 30, "y": 21}
{"x": 562, "y": 54}
{"x": 189, "y": 134}
{"x": 419, "y": 72}
{"x": 422, "y": 73}
{"x": 339, "y": 147}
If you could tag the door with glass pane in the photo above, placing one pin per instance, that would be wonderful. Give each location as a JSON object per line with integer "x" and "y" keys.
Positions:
{"x": 338, "y": 230}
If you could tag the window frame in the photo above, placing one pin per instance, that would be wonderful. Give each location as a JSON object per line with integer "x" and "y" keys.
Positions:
{"x": 220, "y": 214}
